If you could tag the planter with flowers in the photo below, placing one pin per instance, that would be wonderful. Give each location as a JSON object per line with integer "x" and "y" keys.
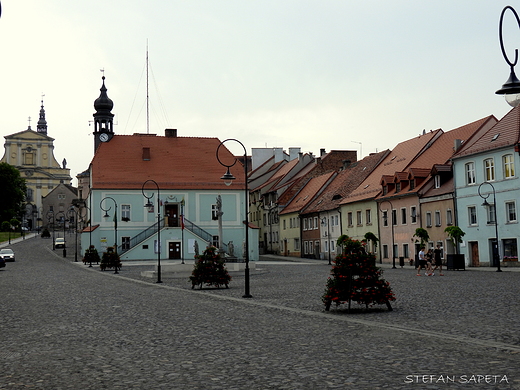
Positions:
{"x": 210, "y": 269}
{"x": 354, "y": 277}
{"x": 511, "y": 261}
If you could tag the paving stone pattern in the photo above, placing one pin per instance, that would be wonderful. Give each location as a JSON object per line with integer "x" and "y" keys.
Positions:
{"x": 66, "y": 326}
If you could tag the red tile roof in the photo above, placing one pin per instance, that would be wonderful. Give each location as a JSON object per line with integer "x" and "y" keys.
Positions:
{"x": 307, "y": 193}
{"x": 504, "y": 133}
{"x": 344, "y": 183}
{"x": 396, "y": 161}
{"x": 175, "y": 163}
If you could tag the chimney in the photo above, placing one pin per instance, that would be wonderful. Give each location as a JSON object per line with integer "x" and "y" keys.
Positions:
{"x": 170, "y": 133}
{"x": 293, "y": 153}
{"x": 278, "y": 154}
{"x": 322, "y": 152}
{"x": 457, "y": 144}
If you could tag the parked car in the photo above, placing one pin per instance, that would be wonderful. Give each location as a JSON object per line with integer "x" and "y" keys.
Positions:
{"x": 7, "y": 254}
{"x": 59, "y": 243}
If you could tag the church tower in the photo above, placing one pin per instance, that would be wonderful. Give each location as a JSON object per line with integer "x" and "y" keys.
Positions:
{"x": 42, "y": 123}
{"x": 103, "y": 118}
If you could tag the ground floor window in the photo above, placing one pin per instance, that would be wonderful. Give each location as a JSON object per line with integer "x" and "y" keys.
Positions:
{"x": 406, "y": 252}
{"x": 214, "y": 241}
{"x": 296, "y": 244}
{"x": 510, "y": 249}
{"x": 385, "y": 251}
{"x": 125, "y": 243}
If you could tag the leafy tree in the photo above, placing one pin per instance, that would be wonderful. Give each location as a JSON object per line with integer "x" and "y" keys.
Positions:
{"x": 455, "y": 233}
{"x": 13, "y": 192}
{"x": 422, "y": 234}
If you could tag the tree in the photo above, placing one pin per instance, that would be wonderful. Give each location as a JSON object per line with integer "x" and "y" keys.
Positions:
{"x": 422, "y": 234}
{"x": 455, "y": 234}
{"x": 13, "y": 192}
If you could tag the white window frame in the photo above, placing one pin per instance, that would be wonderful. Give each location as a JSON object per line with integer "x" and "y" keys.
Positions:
{"x": 511, "y": 216}
{"x": 449, "y": 217}
{"x": 368, "y": 216}
{"x": 472, "y": 216}
{"x": 470, "y": 173}
{"x": 437, "y": 181}
{"x": 404, "y": 216}
{"x": 413, "y": 214}
{"x": 489, "y": 169}
{"x": 508, "y": 165}
{"x": 126, "y": 211}
{"x": 428, "y": 219}
{"x": 438, "y": 220}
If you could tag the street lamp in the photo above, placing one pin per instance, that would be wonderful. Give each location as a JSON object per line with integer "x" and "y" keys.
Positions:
{"x": 496, "y": 246}
{"x": 228, "y": 179}
{"x": 108, "y": 216}
{"x": 62, "y": 219}
{"x": 149, "y": 206}
{"x": 75, "y": 216}
{"x": 50, "y": 217}
{"x": 385, "y": 218}
{"x": 511, "y": 88}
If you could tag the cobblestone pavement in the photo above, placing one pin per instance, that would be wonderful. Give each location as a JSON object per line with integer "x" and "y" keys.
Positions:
{"x": 67, "y": 326}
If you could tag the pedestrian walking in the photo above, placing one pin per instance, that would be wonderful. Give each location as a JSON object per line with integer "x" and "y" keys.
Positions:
{"x": 437, "y": 260}
{"x": 422, "y": 262}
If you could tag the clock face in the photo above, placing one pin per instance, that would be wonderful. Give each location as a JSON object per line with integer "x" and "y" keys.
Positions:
{"x": 103, "y": 137}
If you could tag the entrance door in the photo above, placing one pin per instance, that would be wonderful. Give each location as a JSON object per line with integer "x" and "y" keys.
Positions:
{"x": 174, "y": 250}
{"x": 172, "y": 212}
{"x": 475, "y": 261}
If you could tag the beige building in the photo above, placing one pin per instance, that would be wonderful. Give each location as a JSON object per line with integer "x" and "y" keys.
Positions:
{"x": 32, "y": 153}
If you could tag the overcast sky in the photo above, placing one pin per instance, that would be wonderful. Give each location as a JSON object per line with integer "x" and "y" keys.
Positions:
{"x": 357, "y": 75}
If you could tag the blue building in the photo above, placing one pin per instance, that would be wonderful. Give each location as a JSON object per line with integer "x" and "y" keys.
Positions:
{"x": 487, "y": 187}
{"x": 144, "y": 185}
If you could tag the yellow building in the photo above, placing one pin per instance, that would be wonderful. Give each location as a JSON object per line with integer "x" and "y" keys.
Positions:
{"x": 32, "y": 153}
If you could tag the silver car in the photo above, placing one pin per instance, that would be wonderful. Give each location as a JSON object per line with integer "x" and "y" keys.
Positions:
{"x": 7, "y": 254}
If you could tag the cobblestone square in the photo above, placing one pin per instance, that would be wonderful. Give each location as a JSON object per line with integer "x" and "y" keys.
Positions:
{"x": 67, "y": 326}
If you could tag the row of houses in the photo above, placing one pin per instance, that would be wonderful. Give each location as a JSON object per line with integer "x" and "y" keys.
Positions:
{"x": 463, "y": 177}
{"x": 298, "y": 204}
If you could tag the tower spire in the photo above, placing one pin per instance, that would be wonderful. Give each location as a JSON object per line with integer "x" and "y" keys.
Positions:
{"x": 103, "y": 117}
{"x": 41, "y": 127}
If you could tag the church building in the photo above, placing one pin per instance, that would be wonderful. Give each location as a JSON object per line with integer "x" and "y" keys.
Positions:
{"x": 32, "y": 153}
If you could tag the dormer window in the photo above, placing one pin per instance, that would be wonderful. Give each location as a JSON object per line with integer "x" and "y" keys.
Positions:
{"x": 397, "y": 187}
{"x": 437, "y": 181}
{"x": 412, "y": 184}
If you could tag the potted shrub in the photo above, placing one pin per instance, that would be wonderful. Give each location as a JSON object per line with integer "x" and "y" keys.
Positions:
{"x": 455, "y": 261}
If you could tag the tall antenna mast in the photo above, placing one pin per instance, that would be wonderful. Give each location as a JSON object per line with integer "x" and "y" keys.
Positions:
{"x": 147, "y": 95}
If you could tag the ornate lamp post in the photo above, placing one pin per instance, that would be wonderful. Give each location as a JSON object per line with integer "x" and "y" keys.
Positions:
{"x": 149, "y": 206}
{"x": 511, "y": 88}
{"x": 228, "y": 179}
{"x": 108, "y": 216}
{"x": 496, "y": 245}
{"x": 385, "y": 218}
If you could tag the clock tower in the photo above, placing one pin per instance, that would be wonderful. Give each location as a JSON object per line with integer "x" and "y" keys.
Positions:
{"x": 103, "y": 117}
